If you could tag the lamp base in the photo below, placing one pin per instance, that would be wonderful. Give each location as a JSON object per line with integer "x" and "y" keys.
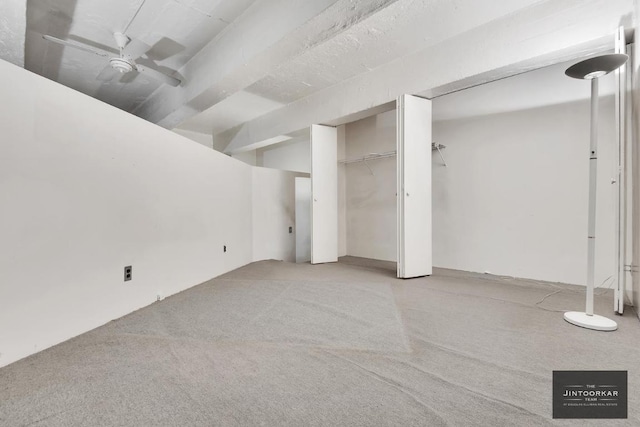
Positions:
{"x": 598, "y": 323}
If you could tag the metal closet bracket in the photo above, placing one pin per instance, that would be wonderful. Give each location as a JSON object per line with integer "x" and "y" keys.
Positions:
{"x": 438, "y": 146}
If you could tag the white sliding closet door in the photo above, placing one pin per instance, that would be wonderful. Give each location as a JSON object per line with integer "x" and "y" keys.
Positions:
{"x": 324, "y": 192}
{"x": 414, "y": 186}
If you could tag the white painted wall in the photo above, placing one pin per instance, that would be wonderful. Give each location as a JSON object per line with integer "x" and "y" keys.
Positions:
{"x": 371, "y": 195}
{"x": 290, "y": 156}
{"x": 200, "y": 138}
{"x": 87, "y": 189}
{"x": 274, "y": 207}
{"x": 296, "y": 156}
{"x": 342, "y": 192}
{"x": 248, "y": 157}
{"x": 513, "y": 199}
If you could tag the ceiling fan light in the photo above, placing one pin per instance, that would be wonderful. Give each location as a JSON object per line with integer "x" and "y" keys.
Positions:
{"x": 121, "y": 65}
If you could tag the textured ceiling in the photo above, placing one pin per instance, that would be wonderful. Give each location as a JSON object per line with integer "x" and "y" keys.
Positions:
{"x": 360, "y": 35}
{"x": 235, "y": 110}
{"x": 175, "y": 30}
{"x": 12, "y": 30}
{"x": 248, "y": 65}
{"x": 396, "y": 31}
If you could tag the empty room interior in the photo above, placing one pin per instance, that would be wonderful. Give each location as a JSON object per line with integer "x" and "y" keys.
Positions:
{"x": 319, "y": 213}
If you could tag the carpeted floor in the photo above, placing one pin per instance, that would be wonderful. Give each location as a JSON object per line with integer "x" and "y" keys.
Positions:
{"x": 344, "y": 344}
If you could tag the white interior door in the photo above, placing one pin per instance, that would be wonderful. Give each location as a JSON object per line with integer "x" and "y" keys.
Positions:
{"x": 414, "y": 186}
{"x": 324, "y": 191}
{"x": 303, "y": 219}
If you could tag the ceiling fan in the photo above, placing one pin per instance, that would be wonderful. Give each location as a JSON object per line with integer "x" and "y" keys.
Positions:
{"x": 129, "y": 49}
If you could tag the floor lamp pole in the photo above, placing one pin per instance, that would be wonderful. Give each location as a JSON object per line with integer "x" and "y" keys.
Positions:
{"x": 592, "y": 69}
{"x": 593, "y": 180}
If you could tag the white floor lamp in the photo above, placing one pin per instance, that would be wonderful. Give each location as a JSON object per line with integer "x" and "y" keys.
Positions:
{"x": 592, "y": 69}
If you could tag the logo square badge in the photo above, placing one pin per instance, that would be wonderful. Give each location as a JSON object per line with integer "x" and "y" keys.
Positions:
{"x": 589, "y": 394}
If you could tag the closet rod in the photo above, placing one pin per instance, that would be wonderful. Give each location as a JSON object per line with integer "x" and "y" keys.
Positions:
{"x": 386, "y": 154}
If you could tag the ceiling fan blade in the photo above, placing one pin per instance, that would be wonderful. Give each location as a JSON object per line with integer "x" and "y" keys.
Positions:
{"x": 155, "y": 74}
{"x": 107, "y": 74}
{"x": 128, "y": 77}
{"x": 76, "y": 45}
{"x": 135, "y": 49}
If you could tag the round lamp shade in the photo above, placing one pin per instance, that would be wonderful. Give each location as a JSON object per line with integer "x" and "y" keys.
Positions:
{"x": 596, "y": 67}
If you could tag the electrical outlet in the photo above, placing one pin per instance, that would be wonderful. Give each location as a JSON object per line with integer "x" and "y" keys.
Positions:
{"x": 290, "y": 230}
{"x": 128, "y": 273}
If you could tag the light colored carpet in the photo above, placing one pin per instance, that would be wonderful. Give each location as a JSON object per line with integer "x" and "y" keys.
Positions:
{"x": 344, "y": 344}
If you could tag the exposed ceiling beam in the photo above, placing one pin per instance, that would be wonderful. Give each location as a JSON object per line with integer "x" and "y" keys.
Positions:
{"x": 542, "y": 34}
{"x": 265, "y": 36}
